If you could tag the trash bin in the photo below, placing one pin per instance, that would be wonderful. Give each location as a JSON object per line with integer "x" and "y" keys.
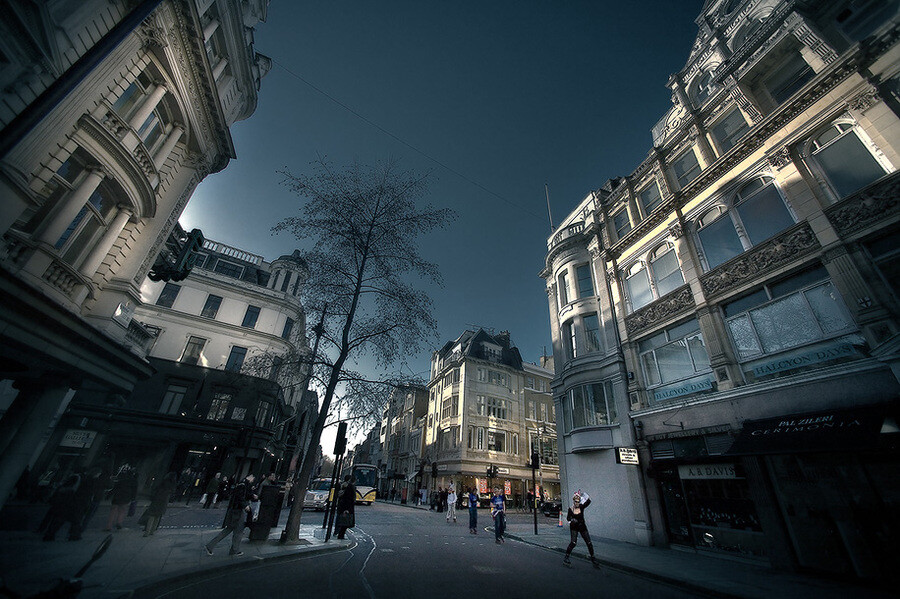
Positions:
{"x": 271, "y": 499}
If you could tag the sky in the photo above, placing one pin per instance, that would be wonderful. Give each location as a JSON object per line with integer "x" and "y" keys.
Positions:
{"x": 492, "y": 99}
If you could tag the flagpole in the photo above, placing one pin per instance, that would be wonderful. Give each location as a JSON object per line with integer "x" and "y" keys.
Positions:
{"x": 550, "y": 214}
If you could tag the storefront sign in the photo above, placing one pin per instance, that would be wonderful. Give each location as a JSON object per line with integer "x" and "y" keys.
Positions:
{"x": 798, "y": 360}
{"x": 627, "y": 455}
{"x": 78, "y": 438}
{"x": 442, "y": 467}
{"x": 707, "y": 472}
{"x": 502, "y": 470}
{"x": 694, "y": 385}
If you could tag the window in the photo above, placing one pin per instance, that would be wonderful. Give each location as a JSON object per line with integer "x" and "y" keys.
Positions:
{"x": 529, "y": 382}
{"x": 218, "y": 408}
{"x": 493, "y": 407}
{"x": 263, "y": 416}
{"x": 847, "y": 162}
{"x": 228, "y": 269}
{"x": 192, "y": 350}
{"x": 498, "y": 378}
{"x": 288, "y": 327}
{"x": 496, "y": 441}
{"x": 759, "y": 210}
{"x": 211, "y": 307}
{"x": 236, "y": 359}
{"x": 585, "y": 283}
{"x": 167, "y": 298}
{"x": 128, "y": 100}
{"x": 686, "y": 168}
{"x": 571, "y": 346}
{"x": 172, "y": 399}
{"x": 532, "y": 410}
{"x": 590, "y": 405}
{"x": 545, "y": 446}
{"x": 250, "y": 317}
{"x": 480, "y": 438}
{"x": 650, "y": 198}
{"x": 637, "y": 285}
{"x": 450, "y": 407}
{"x": 563, "y": 280}
{"x": 591, "y": 332}
{"x": 729, "y": 130}
{"x": 703, "y": 88}
{"x": 93, "y": 217}
{"x": 285, "y": 281}
{"x": 621, "y": 223}
{"x": 665, "y": 269}
{"x": 674, "y": 354}
{"x": 885, "y": 252}
{"x": 788, "y": 78}
{"x": 238, "y": 413}
{"x": 780, "y": 317}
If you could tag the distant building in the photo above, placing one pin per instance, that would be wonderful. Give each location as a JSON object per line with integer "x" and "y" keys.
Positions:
{"x": 111, "y": 113}
{"x": 488, "y": 408}
{"x": 402, "y": 440}
{"x": 227, "y": 393}
{"x": 731, "y": 308}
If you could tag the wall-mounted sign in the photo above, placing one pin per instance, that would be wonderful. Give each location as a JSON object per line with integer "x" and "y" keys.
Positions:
{"x": 707, "y": 472}
{"x": 694, "y": 385}
{"x": 502, "y": 470}
{"x": 800, "y": 359}
{"x": 442, "y": 467}
{"x": 627, "y": 455}
{"x": 78, "y": 438}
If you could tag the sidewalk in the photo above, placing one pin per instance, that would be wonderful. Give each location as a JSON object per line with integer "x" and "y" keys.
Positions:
{"x": 29, "y": 565}
{"x": 693, "y": 571}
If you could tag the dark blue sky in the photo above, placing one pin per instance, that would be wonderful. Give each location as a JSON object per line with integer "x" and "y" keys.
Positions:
{"x": 511, "y": 95}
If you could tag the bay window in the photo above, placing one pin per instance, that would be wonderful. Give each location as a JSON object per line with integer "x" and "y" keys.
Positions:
{"x": 585, "y": 282}
{"x": 675, "y": 354}
{"x": 590, "y": 405}
{"x": 591, "y": 332}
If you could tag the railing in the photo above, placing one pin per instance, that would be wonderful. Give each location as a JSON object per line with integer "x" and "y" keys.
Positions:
{"x": 570, "y": 231}
{"x": 232, "y": 252}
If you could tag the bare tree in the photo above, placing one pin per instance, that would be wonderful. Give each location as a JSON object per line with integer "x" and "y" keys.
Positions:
{"x": 361, "y": 225}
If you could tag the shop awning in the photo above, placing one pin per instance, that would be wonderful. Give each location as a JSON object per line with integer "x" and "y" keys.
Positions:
{"x": 824, "y": 431}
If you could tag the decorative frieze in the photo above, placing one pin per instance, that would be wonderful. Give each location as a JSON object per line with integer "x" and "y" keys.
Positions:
{"x": 864, "y": 100}
{"x": 867, "y": 207}
{"x": 774, "y": 253}
{"x": 779, "y": 158}
{"x": 667, "y": 307}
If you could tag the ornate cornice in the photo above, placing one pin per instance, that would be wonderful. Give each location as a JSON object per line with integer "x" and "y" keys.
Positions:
{"x": 794, "y": 243}
{"x": 665, "y": 308}
{"x": 867, "y": 207}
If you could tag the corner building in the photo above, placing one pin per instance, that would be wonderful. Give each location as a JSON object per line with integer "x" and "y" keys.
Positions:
{"x": 737, "y": 296}
{"x": 111, "y": 113}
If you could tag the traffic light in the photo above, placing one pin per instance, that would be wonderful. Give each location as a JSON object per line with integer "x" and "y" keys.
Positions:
{"x": 491, "y": 471}
{"x": 535, "y": 460}
{"x": 434, "y": 470}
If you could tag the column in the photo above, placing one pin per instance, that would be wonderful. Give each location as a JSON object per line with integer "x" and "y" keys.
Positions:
{"x": 220, "y": 66}
{"x": 95, "y": 258}
{"x": 39, "y": 405}
{"x": 210, "y": 29}
{"x": 72, "y": 206}
{"x": 154, "y": 95}
{"x": 168, "y": 145}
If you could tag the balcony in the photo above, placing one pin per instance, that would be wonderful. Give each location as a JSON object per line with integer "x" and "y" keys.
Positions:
{"x": 570, "y": 231}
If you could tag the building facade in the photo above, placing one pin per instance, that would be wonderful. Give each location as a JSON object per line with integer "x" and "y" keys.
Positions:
{"x": 111, "y": 113}
{"x": 737, "y": 296}
{"x": 402, "y": 441}
{"x": 228, "y": 390}
{"x": 488, "y": 408}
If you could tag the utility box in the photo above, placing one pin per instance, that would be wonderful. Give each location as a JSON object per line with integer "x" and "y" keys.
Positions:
{"x": 271, "y": 498}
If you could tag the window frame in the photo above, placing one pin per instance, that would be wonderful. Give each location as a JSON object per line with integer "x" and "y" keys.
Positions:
{"x": 251, "y": 316}
{"x": 193, "y": 342}
{"x": 642, "y": 200}
{"x": 207, "y": 307}
{"x": 236, "y": 358}
{"x": 671, "y": 340}
{"x": 697, "y": 167}
{"x": 168, "y": 286}
{"x": 810, "y": 153}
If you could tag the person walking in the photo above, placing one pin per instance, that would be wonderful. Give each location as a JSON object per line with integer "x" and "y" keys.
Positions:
{"x": 451, "y": 503}
{"x": 498, "y": 512}
{"x": 444, "y": 494}
{"x": 222, "y": 491}
{"x": 124, "y": 491}
{"x": 473, "y": 511}
{"x": 159, "y": 501}
{"x": 346, "y": 503}
{"x": 212, "y": 487}
{"x": 63, "y": 508}
{"x": 238, "y": 508}
{"x": 575, "y": 516}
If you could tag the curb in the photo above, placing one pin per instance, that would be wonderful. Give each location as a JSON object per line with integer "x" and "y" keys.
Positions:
{"x": 676, "y": 582}
{"x": 244, "y": 564}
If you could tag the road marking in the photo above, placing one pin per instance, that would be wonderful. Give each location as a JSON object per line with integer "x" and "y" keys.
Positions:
{"x": 386, "y": 550}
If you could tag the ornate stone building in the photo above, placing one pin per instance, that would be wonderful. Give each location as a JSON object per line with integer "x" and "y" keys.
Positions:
{"x": 111, "y": 113}
{"x": 401, "y": 440}
{"x": 486, "y": 407}
{"x": 731, "y": 308}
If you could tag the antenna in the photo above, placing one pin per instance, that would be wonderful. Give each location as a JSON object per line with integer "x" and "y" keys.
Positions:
{"x": 489, "y": 330}
{"x": 550, "y": 214}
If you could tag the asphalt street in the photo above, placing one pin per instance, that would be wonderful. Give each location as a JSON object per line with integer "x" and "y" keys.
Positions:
{"x": 400, "y": 552}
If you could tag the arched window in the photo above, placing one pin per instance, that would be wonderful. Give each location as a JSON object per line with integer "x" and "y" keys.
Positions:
{"x": 846, "y": 161}
{"x": 666, "y": 273}
{"x": 758, "y": 209}
{"x": 637, "y": 283}
{"x": 703, "y": 88}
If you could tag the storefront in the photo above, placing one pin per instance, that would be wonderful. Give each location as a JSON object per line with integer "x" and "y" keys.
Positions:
{"x": 835, "y": 477}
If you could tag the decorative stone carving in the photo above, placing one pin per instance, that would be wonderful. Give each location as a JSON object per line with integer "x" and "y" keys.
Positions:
{"x": 664, "y": 308}
{"x": 780, "y": 158}
{"x": 151, "y": 34}
{"x": 675, "y": 230}
{"x": 815, "y": 43}
{"x": 865, "y": 100}
{"x": 778, "y": 251}
{"x": 867, "y": 207}
{"x": 114, "y": 124}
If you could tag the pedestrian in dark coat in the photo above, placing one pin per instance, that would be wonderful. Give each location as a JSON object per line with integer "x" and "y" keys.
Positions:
{"x": 212, "y": 487}
{"x": 62, "y": 507}
{"x": 222, "y": 493}
{"x": 238, "y": 508}
{"x": 85, "y": 501}
{"x": 124, "y": 492}
{"x": 159, "y": 501}
{"x": 577, "y": 525}
{"x": 346, "y": 504}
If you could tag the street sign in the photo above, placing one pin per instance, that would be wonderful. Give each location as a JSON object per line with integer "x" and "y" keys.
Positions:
{"x": 627, "y": 455}
{"x": 78, "y": 438}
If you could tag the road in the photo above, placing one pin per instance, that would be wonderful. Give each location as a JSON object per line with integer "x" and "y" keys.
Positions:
{"x": 402, "y": 552}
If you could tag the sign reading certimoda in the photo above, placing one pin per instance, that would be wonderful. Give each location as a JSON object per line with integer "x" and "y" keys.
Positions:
{"x": 78, "y": 438}
{"x": 627, "y": 455}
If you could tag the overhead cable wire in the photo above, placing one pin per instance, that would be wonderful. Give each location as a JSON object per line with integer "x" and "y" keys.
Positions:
{"x": 404, "y": 142}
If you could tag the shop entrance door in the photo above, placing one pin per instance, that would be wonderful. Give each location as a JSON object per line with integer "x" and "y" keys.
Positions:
{"x": 678, "y": 522}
